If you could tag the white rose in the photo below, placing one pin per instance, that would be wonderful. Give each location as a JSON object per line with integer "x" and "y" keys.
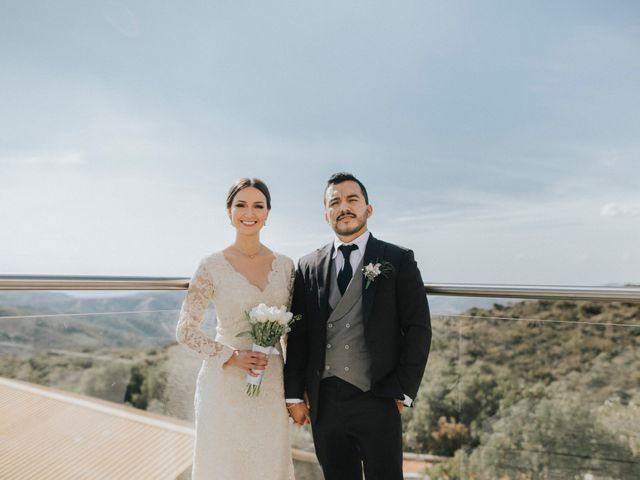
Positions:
{"x": 286, "y": 318}
{"x": 258, "y": 313}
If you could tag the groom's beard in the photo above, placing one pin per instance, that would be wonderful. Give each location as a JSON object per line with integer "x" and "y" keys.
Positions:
{"x": 345, "y": 230}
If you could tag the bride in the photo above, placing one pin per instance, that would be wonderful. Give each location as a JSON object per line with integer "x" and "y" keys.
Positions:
{"x": 238, "y": 437}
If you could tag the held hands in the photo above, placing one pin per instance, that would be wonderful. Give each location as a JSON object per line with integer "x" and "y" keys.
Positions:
{"x": 299, "y": 412}
{"x": 248, "y": 361}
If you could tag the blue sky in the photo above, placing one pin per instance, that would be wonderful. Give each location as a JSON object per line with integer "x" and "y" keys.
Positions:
{"x": 499, "y": 140}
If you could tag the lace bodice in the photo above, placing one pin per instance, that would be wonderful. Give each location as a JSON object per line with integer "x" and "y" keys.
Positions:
{"x": 216, "y": 281}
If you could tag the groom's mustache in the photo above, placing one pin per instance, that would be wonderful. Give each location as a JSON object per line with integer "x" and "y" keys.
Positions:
{"x": 346, "y": 215}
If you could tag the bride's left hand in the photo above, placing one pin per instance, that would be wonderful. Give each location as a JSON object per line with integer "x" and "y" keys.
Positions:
{"x": 248, "y": 361}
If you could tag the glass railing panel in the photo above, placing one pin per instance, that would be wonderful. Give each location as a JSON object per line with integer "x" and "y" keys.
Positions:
{"x": 526, "y": 390}
{"x": 90, "y": 346}
{"x": 115, "y": 348}
{"x": 532, "y": 390}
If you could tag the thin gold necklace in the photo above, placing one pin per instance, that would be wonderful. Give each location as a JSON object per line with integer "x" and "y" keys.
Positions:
{"x": 251, "y": 256}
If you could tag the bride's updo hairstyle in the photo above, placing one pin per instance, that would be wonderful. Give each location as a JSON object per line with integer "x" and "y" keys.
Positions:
{"x": 248, "y": 182}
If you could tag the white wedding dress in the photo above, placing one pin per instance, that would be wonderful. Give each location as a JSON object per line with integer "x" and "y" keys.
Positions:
{"x": 237, "y": 437}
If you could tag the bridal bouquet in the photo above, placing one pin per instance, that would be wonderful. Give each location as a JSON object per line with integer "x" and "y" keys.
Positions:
{"x": 267, "y": 325}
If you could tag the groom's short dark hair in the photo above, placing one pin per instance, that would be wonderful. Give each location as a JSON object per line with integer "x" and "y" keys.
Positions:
{"x": 340, "y": 177}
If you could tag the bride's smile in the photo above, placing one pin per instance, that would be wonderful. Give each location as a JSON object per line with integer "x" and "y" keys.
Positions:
{"x": 249, "y": 211}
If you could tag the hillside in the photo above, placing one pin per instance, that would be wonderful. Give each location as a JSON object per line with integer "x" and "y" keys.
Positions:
{"x": 532, "y": 387}
{"x": 88, "y": 323}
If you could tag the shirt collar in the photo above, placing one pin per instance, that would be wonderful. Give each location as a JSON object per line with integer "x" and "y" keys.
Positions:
{"x": 361, "y": 242}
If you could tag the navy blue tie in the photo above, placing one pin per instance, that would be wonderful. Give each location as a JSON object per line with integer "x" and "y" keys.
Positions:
{"x": 344, "y": 276}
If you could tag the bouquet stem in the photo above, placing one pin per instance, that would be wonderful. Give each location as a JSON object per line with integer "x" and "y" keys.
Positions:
{"x": 253, "y": 383}
{"x": 253, "y": 390}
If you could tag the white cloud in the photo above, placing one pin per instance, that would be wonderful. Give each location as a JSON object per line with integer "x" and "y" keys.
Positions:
{"x": 619, "y": 210}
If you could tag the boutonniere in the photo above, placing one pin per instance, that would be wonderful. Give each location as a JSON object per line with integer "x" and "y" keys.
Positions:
{"x": 374, "y": 270}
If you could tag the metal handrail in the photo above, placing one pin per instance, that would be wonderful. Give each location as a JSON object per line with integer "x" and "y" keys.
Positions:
{"x": 540, "y": 292}
{"x": 86, "y": 282}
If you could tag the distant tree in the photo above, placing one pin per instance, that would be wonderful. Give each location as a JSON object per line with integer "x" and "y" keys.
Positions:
{"x": 108, "y": 382}
{"x": 154, "y": 388}
{"x": 147, "y": 382}
{"x": 453, "y": 405}
{"x": 453, "y": 469}
{"x": 547, "y": 439}
{"x": 450, "y": 435}
{"x": 134, "y": 394}
{"x": 591, "y": 309}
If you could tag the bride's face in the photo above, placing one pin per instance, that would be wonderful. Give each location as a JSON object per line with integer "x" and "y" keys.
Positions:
{"x": 248, "y": 211}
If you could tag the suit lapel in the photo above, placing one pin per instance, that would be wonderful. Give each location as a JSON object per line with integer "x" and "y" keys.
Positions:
{"x": 372, "y": 254}
{"x": 322, "y": 274}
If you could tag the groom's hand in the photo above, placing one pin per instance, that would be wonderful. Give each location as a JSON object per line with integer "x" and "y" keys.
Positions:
{"x": 400, "y": 405}
{"x": 299, "y": 412}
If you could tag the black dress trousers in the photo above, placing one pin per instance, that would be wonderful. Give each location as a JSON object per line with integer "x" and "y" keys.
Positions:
{"x": 355, "y": 429}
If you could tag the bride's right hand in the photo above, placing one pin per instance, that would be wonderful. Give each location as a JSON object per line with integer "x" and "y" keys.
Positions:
{"x": 248, "y": 361}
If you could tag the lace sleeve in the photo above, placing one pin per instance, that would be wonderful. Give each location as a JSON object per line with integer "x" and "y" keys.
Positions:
{"x": 188, "y": 331}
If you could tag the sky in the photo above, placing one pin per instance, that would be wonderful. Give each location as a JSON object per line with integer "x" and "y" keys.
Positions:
{"x": 499, "y": 140}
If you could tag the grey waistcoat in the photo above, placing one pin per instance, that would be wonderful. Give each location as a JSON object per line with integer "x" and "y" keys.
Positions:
{"x": 347, "y": 356}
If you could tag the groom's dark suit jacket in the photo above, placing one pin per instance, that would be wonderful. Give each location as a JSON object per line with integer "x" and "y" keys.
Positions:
{"x": 397, "y": 325}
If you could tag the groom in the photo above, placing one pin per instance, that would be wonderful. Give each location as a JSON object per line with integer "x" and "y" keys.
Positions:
{"x": 361, "y": 347}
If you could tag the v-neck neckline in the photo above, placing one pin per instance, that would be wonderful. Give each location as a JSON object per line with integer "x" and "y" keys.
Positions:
{"x": 268, "y": 282}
